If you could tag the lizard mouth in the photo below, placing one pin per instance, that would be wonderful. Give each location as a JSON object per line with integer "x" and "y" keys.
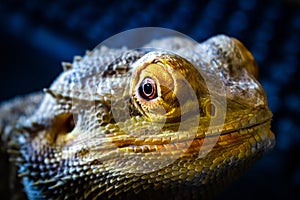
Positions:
{"x": 254, "y": 133}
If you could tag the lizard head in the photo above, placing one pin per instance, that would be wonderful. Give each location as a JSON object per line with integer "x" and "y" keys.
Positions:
{"x": 128, "y": 118}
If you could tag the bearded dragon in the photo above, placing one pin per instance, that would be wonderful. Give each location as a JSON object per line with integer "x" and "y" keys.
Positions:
{"x": 172, "y": 120}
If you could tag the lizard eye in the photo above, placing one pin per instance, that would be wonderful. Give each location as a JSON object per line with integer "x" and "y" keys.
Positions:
{"x": 147, "y": 89}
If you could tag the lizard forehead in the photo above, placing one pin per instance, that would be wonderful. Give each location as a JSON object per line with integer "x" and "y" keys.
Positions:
{"x": 226, "y": 65}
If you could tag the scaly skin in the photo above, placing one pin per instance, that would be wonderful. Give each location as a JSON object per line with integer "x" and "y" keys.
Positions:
{"x": 121, "y": 123}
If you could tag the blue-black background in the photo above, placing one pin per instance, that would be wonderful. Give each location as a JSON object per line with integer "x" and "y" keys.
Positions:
{"x": 35, "y": 36}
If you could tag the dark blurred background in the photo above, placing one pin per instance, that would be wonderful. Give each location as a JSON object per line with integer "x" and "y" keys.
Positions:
{"x": 35, "y": 36}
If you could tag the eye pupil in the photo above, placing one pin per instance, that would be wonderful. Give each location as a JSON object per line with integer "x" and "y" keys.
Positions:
{"x": 147, "y": 89}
